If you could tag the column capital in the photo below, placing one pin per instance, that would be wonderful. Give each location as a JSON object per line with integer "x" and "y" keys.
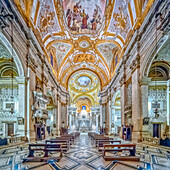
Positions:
{"x": 144, "y": 81}
{"x": 135, "y": 63}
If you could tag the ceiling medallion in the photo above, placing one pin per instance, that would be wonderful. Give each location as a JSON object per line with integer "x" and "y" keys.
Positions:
{"x": 84, "y": 81}
{"x": 84, "y": 44}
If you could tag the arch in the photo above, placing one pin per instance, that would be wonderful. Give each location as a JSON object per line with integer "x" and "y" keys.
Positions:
{"x": 15, "y": 56}
{"x": 84, "y": 95}
{"x": 149, "y": 60}
{"x": 82, "y": 69}
{"x": 115, "y": 96}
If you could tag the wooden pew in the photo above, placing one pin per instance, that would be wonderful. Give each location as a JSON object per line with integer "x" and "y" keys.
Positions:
{"x": 71, "y": 136}
{"x": 97, "y": 138}
{"x": 64, "y": 138}
{"x": 63, "y": 142}
{"x": 46, "y": 148}
{"x": 119, "y": 148}
{"x": 100, "y": 143}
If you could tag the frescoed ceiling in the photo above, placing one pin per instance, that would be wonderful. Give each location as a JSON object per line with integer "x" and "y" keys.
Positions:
{"x": 61, "y": 50}
{"x": 107, "y": 50}
{"x": 84, "y": 83}
{"x": 120, "y": 23}
{"x": 84, "y": 34}
{"x": 84, "y": 16}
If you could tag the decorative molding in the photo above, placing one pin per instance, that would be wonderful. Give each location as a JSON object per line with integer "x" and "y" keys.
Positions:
{"x": 122, "y": 79}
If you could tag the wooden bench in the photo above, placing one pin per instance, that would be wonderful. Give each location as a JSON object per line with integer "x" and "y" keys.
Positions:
{"x": 100, "y": 138}
{"x": 119, "y": 148}
{"x": 63, "y": 142}
{"x": 100, "y": 143}
{"x": 72, "y": 138}
{"x": 46, "y": 148}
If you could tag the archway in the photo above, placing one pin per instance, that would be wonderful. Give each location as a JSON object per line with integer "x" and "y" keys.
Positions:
{"x": 12, "y": 92}
{"x": 157, "y": 118}
{"x": 115, "y": 115}
{"x": 84, "y": 87}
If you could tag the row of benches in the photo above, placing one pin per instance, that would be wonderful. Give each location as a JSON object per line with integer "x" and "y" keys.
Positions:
{"x": 57, "y": 145}
{"x": 109, "y": 145}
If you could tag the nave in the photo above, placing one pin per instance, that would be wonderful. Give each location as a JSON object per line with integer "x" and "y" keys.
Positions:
{"x": 84, "y": 84}
{"x": 83, "y": 155}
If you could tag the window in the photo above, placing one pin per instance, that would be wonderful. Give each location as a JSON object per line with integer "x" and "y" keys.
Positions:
{"x": 51, "y": 59}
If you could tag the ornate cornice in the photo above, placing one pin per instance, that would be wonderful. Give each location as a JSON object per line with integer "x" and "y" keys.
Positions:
{"x": 135, "y": 63}
{"x": 122, "y": 80}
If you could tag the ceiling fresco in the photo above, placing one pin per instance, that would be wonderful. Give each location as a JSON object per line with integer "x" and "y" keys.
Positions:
{"x": 120, "y": 22}
{"x": 61, "y": 50}
{"x": 107, "y": 50}
{"x": 83, "y": 82}
{"x": 47, "y": 21}
{"x": 84, "y": 34}
{"x": 84, "y": 16}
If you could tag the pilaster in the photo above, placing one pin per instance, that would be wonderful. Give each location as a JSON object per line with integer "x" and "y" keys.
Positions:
{"x": 136, "y": 109}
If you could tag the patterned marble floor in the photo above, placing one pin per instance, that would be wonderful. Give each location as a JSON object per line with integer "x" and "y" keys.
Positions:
{"x": 84, "y": 156}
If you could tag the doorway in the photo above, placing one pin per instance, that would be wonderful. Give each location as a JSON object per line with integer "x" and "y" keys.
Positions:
{"x": 10, "y": 129}
{"x": 157, "y": 130}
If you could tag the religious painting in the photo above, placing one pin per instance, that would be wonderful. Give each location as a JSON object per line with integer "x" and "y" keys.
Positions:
{"x": 120, "y": 21}
{"x": 20, "y": 121}
{"x": 106, "y": 50}
{"x": 84, "y": 81}
{"x": 47, "y": 21}
{"x": 61, "y": 50}
{"x": 146, "y": 121}
{"x": 84, "y": 16}
{"x": 84, "y": 57}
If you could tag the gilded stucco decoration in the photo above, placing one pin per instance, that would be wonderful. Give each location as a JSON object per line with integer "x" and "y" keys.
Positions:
{"x": 84, "y": 84}
{"x": 106, "y": 49}
{"x": 120, "y": 23}
{"x": 84, "y": 57}
{"x": 47, "y": 21}
{"x": 83, "y": 101}
{"x": 61, "y": 50}
{"x": 79, "y": 30}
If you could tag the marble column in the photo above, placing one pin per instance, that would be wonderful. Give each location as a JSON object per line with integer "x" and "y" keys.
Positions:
{"x": 123, "y": 98}
{"x": 144, "y": 105}
{"x": 30, "y": 121}
{"x": 109, "y": 116}
{"x": 59, "y": 118}
{"x": 97, "y": 117}
{"x": 54, "y": 131}
{"x": 21, "y": 99}
{"x": 136, "y": 109}
{"x": 70, "y": 120}
{"x": 113, "y": 117}
{"x": 101, "y": 117}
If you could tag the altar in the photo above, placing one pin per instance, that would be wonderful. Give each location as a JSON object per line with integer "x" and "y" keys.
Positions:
{"x": 84, "y": 123}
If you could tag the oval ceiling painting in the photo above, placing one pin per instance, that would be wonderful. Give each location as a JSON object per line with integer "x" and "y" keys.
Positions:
{"x": 84, "y": 16}
{"x": 84, "y": 81}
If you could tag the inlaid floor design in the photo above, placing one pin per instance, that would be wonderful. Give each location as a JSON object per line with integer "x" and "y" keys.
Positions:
{"x": 83, "y": 155}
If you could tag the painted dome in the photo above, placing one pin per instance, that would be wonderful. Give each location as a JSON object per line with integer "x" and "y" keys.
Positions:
{"x": 83, "y": 81}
